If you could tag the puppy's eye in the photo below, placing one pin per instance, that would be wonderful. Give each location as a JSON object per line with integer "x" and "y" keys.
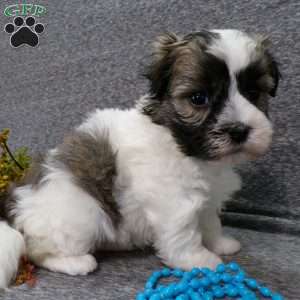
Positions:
{"x": 199, "y": 98}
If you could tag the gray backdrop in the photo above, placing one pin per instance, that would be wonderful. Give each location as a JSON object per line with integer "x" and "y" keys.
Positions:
{"x": 91, "y": 55}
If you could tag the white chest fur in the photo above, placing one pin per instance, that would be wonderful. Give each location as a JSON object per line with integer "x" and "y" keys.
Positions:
{"x": 155, "y": 181}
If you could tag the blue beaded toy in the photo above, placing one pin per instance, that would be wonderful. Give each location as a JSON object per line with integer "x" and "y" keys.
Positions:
{"x": 228, "y": 281}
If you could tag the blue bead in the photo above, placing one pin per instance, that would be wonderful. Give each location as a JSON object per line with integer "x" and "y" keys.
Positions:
{"x": 204, "y": 282}
{"x": 240, "y": 286}
{"x": 141, "y": 296}
{"x": 205, "y": 271}
{"x": 244, "y": 292}
{"x": 148, "y": 292}
{"x": 149, "y": 284}
{"x": 187, "y": 276}
{"x": 265, "y": 291}
{"x": 252, "y": 283}
{"x": 190, "y": 291}
{"x": 214, "y": 278}
{"x": 156, "y": 274}
{"x": 182, "y": 286}
{"x": 177, "y": 290}
{"x": 208, "y": 296}
{"x": 232, "y": 292}
{"x": 166, "y": 272}
{"x": 249, "y": 295}
{"x": 178, "y": 273}
{"x": 226, "y": 277}
{"x": 160, "y": 287}
{"x": 195, "y": 271}
{"x": 233, "y": 266}
{"x": 195, "y": 297}
{"x": 184, "y": 281}
{"x": 182, "y": 297}
{"x": 277, "y": 297}
{"x": 218, "y": 292}
{"x": 169, "y": 290}
{"x": 240, "y": 276}
{"x": 221, "y": 268}
{"x": 228, "y": 285}
{"x": 195, "y": 283}
{"x": 201, "y": 290}
{"x": 155, "y": 297}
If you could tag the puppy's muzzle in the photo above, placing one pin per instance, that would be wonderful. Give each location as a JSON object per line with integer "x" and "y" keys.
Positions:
{"x": 239, "y": 132}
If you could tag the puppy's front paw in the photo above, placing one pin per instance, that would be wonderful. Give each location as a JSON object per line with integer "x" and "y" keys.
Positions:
{"x": 208, "y": 260}
{"x": 225, "y": 245}
{"x": 201, "y": 259}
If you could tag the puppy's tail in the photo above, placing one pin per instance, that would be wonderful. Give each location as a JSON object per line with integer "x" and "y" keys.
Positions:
{"x": 12, "y": 247}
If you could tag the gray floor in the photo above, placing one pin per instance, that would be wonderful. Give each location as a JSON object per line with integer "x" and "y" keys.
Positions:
{"x": 274, "y": 259}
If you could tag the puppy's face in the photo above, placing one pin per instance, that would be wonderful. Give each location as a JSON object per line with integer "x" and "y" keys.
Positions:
{"x": 211, "y": 90}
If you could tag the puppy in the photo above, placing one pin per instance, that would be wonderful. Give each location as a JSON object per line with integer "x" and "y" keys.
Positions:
{"x": 156, "y": 174}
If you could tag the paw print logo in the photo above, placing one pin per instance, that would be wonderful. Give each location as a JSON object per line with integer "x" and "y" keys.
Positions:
{"x": 24, "y": 33}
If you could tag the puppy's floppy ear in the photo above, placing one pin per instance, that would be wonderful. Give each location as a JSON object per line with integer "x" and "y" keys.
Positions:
{"x": 263, "y": 44}
{"x": 275, "y": 73}
{"x": 159, "y": 72}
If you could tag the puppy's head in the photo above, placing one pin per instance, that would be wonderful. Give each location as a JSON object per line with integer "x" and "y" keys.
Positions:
{"x": 211, "y": 89}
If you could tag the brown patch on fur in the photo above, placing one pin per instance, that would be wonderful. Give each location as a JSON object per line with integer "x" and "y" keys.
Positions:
{"x": 259, "y": 79}
{"x": 262, "y": 73}
{"x": 180, "y": 69}
{"x": 2, "y": 208}
{"x": 93, "y": 164}
{"x": 8, "y": 205}
{"x": 35, "y": 173}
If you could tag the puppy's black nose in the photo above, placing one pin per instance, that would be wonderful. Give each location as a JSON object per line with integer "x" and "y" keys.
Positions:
{"x": 239, "y": 132}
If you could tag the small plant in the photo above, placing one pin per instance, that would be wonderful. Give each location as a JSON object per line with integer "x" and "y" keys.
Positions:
{"x": 12, "y": 169}
{"x": 12, "y": 165}
{"x": 25, "y": 273}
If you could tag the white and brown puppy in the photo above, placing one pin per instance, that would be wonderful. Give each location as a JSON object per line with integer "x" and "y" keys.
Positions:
{"x": 156, "y": 174}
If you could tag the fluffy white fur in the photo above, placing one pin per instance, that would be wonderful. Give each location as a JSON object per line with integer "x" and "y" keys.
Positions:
{"x": 162, "y": 194}
{"x": 11, "y": 249}
{"x": 166, "y": 198}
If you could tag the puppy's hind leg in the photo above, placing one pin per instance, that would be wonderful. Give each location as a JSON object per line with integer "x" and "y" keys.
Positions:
{"x": 71, "y": 265}
{"x": 70, "y": 211}
{"x": 62, "y": 225}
